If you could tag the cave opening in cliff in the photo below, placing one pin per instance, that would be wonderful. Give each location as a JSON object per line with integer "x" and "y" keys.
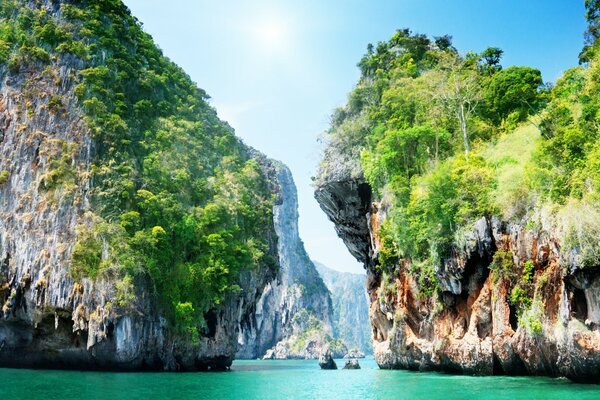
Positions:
{"x": 110, "y": 330}
{"x": 579, "y": 306}
{"x": 364, "y": 192}
{"x": 475, "y": 273}
{"x": 497, "y": 366}
{"x": 211, "y": 323}
{"x": 512, "y": 367}
{"x": 513, "y": 317}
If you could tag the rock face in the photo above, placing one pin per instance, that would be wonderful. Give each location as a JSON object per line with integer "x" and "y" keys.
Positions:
{"x": 326, "y": 360}
{"x": 472, "y": 327}
{"x": 47, "y": 319}
{"x": 350, "y": 307}
{"x": 297, "y": 288}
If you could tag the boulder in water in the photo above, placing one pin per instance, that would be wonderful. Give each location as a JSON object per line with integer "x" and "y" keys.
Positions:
{"x": 352, "y": 364}
{"x": 326, "y": 360}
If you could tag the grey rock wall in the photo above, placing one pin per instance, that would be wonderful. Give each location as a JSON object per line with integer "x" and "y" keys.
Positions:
{"x": 297, "y": 286}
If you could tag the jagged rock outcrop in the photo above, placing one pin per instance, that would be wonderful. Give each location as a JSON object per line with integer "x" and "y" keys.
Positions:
{"x": 326, "y": 360}
{"x": 350, "y": 308}
{"x": 48, "y": 319}
{"x": 347, "y": 204}
{"x": 472, "y": 327}
{"x": 297, "y": 288}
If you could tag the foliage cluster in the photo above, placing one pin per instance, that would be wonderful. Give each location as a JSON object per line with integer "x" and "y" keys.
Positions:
{"x": 306, "y": 326}
{"x": 419, "y": 117}
{"x": 4, "y": 175}
{"x": 503, "y": 264}
{"x": 565, "y": 170}
{"x": 531, "y": 318}
{"x": 520, "y": 295}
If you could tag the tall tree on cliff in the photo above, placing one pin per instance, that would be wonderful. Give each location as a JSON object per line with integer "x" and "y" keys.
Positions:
{"x": 593, "y": 31}
{"x": 457, "y": 89}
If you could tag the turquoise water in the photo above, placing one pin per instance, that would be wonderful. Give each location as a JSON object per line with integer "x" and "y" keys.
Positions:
{"x": 282, "y": 380}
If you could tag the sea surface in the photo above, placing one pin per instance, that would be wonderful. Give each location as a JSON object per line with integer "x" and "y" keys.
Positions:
{"x": 282, "y": 380}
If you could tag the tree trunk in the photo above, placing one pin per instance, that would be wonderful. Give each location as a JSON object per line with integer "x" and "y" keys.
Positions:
{"x": 463, "y": 126}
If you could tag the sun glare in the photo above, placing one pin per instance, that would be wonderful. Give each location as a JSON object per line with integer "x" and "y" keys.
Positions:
{"x": 272, "y": 34}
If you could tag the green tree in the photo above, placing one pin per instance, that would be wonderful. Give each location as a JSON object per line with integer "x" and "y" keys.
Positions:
{"x": 513, "y": 90}
{"x": 490, "y": 60}
{"x": 592, "y": 33}
{"x": 403, "y": 152}
{"x": 456, "y": 88}
{"x": 444, "y": 43}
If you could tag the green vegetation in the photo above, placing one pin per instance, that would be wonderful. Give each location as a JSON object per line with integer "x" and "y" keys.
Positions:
{"x": 579, "y": 224}
{"x": 306, "y": 327}
{"x": 187, "y": 321}
{"x": 520, "y": 294}
{"x": 593, "y": 32}
{"x": 176, "y": 196}
{"x": 61, "y": 171}
{"x": 446, "y": 138}
{"x": 421, "y": 118}
{"x": 510, "y": 157}
{"x": 4, "y": 175}
{"x": 503, "y": 264}
{"x": 566, "y": 168}
{"x": 512, "y": 94}
{"x": 531, "y": 318}
{"x": 519, "y": 283}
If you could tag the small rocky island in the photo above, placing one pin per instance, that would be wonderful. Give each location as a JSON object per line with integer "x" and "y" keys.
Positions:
{"x": 326, "y": 360}
{"x": 352, "y": 363}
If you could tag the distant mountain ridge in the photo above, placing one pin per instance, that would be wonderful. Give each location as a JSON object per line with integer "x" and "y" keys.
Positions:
{"x": 350, "y": 307}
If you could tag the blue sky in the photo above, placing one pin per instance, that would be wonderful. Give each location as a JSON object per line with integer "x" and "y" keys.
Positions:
{"x": 277, "y": 69}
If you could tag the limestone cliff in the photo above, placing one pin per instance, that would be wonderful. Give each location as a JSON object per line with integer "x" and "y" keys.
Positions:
{"x": 478, "y": 230}
{"x": 350, "y": 307}
{"x": 295, "y": 295}
{"x": 471, "y": 327}
{"x": 51, "y": 157}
